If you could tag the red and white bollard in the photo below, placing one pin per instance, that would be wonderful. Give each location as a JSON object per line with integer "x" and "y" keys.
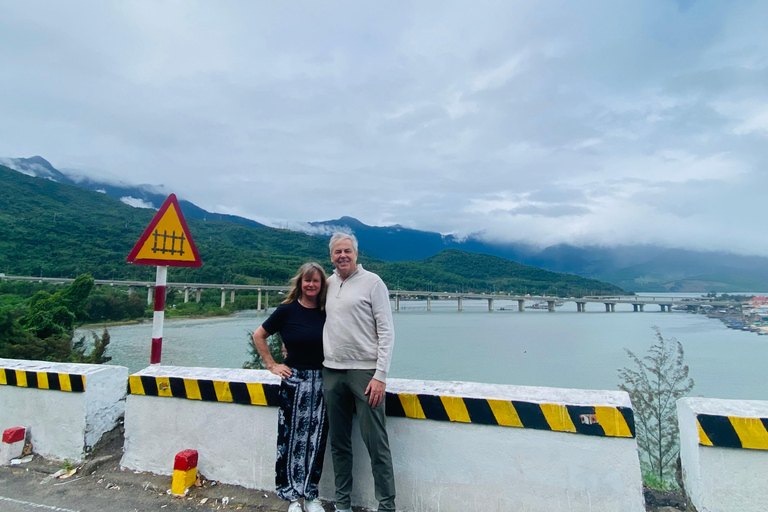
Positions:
{"x": 184, "y": 472}
{"x": 12, "y": 445}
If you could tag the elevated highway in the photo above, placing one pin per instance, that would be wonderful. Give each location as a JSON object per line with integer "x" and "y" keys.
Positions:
{"x": 609, "y": 302}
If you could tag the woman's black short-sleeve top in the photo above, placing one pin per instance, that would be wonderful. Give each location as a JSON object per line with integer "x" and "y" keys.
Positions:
{"x": 302, "y": 332}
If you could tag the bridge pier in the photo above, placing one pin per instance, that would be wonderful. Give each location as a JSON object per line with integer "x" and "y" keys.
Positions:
{"x": 490, "y": 304}
{"x": 258, "y": 302}
{"x": 266, "y": 300}
{"x": 131, "y": 290}
{"x": 232, "y": 297}
{"x": 397, "y": 303}
{"x": 186, "y": 294}
{"x": 581, "y": 307}
{"x": 610, "y": 307}
{"x": 429, "y": 303}
{"x": 551, "y": 306}
{"x": 460, "y": 303}
{"x": 198, "y": 294}
{"x": 638, "y": 307}
{"x": 223, "y": 297}
{"x": 150, "y": 289}
{"x": 521, "y": 305}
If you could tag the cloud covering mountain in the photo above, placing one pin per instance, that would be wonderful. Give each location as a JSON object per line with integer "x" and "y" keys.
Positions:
{"x": 544, "y": 123}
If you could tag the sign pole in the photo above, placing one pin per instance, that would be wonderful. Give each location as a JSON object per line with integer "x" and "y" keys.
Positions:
{"x": 159, "y": 315}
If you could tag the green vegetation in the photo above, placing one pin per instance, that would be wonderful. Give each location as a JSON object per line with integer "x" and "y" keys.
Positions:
{"x": 57, "y": 230}
{"x": 42, "y": 327}
{"x": 275, "y": 344}
{"x": 654, "y": 385}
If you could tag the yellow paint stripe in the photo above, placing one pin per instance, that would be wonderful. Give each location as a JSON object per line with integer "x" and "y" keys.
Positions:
{"x": 42, "y": 380}
{"x": 411, "y": 406}
{"x": 455, "y": 408}
{"x": 163, "y": 386}
{"x": 505, "y": 413}
{"x": 64, "y": 382}
{"x": 751, "y": 432}
{"x": 257, "y": 393}
{"x": 223, "y": 394}
{"x": 558, "y": 418}
{"x": 21, "y": 378}
{"x": 612, "y": 421}
{"x": 193, "y": 389}
{"x": 703, "y": 437}
{"x": 3, "y": 379}
{"x": 134, "y": 383}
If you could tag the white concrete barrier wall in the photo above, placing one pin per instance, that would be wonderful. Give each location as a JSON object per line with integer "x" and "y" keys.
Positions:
{"x": 724, "y": 453}
{"x": 474, "y": 459}
{"x": 67, "y": 407}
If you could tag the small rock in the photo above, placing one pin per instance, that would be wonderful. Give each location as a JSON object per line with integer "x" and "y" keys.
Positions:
{"x": 203, "y": 501}
{"x": 23, "y": 460}
{"x": 225, "y": 501}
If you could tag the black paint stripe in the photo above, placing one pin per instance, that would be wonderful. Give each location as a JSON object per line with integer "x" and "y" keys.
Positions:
{"x": 480, "y": 411}
{"x": 53, "y": 381}
{"x": 765, "y": 423}
{"x": 178, "y": 389}
{"x": 149, "y": 384}
{"x": 575, "y": 412}
{"x": 32, "y": 380}
{"x": 272, "y": 394}
{"x": 240, "y": 394}
{"x": 207, "y": 391}
{"x": 531, "y": 415}
{"x": 77, "y": 383}
{"x": 629, "y": 417}
{"x": 393, "y": 406}
{"x": 719, "y": 430}
{"x": 433, "y": 407}
{"x": 10, "y": 377}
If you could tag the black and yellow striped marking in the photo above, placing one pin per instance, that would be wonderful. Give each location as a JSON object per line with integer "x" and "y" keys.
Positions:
{"x": 589, "y": 420}
{"x": 42, "y": 380}
{"x": 733, "y": 432}
{"x": 247, "y": 393}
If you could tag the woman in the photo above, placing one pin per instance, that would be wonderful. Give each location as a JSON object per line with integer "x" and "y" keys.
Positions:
{"x": 302, "y": 426}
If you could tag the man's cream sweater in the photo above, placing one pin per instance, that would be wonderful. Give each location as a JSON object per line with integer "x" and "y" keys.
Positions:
{"x": 359, "y": 332}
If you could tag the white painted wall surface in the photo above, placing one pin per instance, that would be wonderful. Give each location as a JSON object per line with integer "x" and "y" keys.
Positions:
{"x": 63, "y": 424}
{"x": 722, "y": 479}
{"x": 439, "y": 466}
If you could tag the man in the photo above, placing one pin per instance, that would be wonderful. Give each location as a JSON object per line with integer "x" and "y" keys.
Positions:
{"x": 358, "y": 338}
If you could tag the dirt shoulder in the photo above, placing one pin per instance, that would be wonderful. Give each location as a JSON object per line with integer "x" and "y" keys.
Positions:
{"x": 100, "y": 484}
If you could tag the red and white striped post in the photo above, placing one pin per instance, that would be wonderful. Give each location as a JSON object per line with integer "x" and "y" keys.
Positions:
{"x": 159, "y": 315}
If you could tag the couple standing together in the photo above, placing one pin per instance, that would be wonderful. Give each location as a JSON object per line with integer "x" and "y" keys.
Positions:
{"x": 338, "y": 336}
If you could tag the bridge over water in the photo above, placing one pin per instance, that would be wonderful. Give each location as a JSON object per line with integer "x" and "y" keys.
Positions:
{"x": 398, "y": 296}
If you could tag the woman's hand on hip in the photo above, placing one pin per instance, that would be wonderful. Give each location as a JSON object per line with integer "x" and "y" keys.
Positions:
{"x": 281, "y": 370}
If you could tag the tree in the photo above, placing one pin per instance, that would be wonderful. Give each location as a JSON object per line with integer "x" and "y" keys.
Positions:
{"x": 45, "y": 328}
{"x": 654, "y": 385}
{"x": 275, "y": 344}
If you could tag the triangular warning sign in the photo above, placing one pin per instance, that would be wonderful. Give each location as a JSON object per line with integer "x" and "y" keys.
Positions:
{"x": 166, "y": 241}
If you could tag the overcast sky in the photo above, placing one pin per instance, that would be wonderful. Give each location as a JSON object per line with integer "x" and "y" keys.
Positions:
{"x": 584, "y": 122}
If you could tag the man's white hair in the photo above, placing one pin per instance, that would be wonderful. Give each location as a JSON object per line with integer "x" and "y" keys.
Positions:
{"x": 338, "y": 236}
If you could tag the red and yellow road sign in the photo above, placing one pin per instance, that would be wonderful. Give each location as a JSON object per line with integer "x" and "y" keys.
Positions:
{"x": 166, "y": 241}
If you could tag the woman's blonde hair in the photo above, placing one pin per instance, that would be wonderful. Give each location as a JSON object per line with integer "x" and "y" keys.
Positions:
{"x": 308, "y": 270}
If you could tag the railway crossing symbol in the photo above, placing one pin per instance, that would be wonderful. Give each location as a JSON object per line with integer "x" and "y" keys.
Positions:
{"x": 166, "y": 241}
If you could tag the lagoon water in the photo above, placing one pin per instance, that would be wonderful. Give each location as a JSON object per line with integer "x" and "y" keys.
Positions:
{"x": 537, "y": 348}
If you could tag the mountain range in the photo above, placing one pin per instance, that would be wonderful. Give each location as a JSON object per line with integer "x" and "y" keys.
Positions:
{"x": 640, "y": 268}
